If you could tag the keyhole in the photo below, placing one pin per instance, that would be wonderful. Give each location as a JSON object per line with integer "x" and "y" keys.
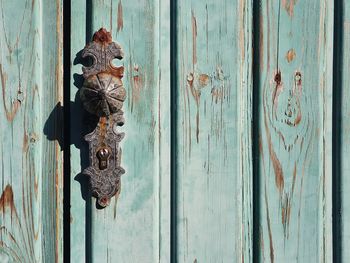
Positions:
{"x": 103, "y": 155}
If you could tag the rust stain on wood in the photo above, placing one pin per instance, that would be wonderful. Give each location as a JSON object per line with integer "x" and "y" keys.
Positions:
{"x": 10, "y": 114}
{"x": 297, "y": 119}
{"x": 194, "y": 39}
{"x": 13, "y": 234}
{"x": 36, "y": 187}
{"x": 217, "y": 95}
{"x": 32, "y": 7}
{"x": 277, "y": 91}
{"x": 288, "y": 5}
{"x": 137, "y": 84}
{"x": 241, "y": 41}
{"x": 120, "y": 24}
{"x": 102, "y": 36}
{"x": 6, "y": 199}
{"x": 203, "y": 80}
{"x": 279, "y": 179}
{"x": 25, "y": 142}
{"x": 272, "y": 254}
{"x": 290, "y": 55}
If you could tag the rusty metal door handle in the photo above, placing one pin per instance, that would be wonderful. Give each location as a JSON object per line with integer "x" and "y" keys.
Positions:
{"x": 103, "y": 95}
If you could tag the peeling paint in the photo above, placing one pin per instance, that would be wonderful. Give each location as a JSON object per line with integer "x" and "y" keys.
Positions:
{"x": 25, "y": 142}
{"x": 290, "y": 55}
{"x": 10, "y": 114}
{"x": 137, "y": 85}
{"x": 6, "y": 199}
{"x": 279, "y": 179}
{"x": 194, "y": 40}
{"x": 196, "y": 95}
{"x": 204, "y": 80}
{"x": 120, "y": 23}
{"x": 288, "y": 5}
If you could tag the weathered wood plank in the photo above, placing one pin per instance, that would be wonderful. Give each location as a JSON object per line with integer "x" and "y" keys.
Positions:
{"x": 163, "y": 141}
{"x": 31, "y": 159}
{"x": 213, "y": 147}
{"x": 295, "y": 130}
{"x": 136, "y": 229}
{"x": 52, "y": 113}
{"x": 80, "y": 209}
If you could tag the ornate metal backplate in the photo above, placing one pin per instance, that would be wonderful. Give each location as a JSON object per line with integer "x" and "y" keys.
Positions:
{"x": 103, "y": 94}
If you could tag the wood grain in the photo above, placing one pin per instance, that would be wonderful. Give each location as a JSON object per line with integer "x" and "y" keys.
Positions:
{"x": 213, "y": 146}
{"x": 31, "y": 159}
{"x": 295, "y": 131}
{"x": 135, "y": 227}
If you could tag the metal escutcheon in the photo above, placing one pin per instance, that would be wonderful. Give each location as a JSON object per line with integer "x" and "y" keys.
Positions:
{"x": 103, "y": 95}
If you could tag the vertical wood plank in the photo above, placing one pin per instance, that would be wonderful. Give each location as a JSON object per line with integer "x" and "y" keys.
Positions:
{"x": 80, "y": 204}
{"x": 52, "y": 113}
{"x": 134, "y": 228}
{"x": 295, "y": 134}
{"x": 164, "y": 129}
{"x": 31, "y": 159}
{"x": 213, "y": 147}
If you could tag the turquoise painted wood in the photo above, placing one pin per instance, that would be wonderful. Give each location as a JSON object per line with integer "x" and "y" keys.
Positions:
{"x": 236, "y": 129}
{"x": 295, "y": 63}
{"x": 213, "y": 173}
{"x": 30, "y": 155}
{"x": 136, "y": 225}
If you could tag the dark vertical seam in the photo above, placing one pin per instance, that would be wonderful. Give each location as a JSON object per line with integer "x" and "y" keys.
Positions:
{"x": 173, "y": 130}
{"x": 66, "y": 129}
{"x": 256, "y": 130}
{"x": 88, "y": 203}
{"x": 338, "y": 46}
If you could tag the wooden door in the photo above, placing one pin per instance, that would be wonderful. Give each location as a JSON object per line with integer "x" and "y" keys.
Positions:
{"x": 236, "y": 123}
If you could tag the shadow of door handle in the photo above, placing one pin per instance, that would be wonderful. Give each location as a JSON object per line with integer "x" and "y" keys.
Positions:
{"x": 103, "y": 95}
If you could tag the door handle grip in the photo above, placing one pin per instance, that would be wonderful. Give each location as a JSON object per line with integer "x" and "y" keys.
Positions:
{"x": 103, "y": 94}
